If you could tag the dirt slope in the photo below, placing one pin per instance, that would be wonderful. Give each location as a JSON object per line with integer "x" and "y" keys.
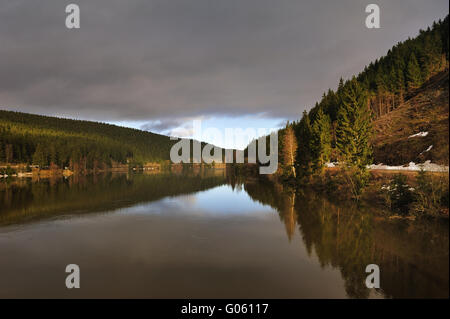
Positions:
{"x": 425, "y": 111}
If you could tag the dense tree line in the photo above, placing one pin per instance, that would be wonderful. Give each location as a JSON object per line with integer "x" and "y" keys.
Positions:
{"x": 338, "y": 128}
{"x": 50, "y": 141}
{"x": 389, "y": 80}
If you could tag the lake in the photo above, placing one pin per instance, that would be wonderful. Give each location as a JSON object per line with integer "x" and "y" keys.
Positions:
{"x": 207, "y": 235}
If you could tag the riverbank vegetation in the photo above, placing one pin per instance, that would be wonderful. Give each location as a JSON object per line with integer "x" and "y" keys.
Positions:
{"x": 406, "y": 91}
{"x": 411, "y": 194}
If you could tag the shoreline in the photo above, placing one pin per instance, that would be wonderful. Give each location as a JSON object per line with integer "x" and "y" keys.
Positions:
{"x": 46, "y": 173}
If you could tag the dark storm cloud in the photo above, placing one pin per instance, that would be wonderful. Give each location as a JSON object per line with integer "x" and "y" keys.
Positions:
{"x": 162, "y": 59}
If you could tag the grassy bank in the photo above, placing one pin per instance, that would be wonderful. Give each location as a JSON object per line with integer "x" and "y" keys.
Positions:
{"x": 398, "y": 194}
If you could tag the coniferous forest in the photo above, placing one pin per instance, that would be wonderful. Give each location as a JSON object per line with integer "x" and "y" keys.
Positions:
{"x": 339, "y": 127}
{"x": 49, "y": 141}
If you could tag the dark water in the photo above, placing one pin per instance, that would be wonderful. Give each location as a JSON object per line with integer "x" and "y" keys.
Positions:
{"x": 208, "y": 236}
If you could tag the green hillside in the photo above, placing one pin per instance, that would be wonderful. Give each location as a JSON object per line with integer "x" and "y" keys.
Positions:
{"x": 44, "y": 140}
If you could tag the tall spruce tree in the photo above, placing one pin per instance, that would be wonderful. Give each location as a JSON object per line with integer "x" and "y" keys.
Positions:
{"x": 39, "y": 156}
{"x": 400, "y": 85}
{"x": 2, "y": 153}
{"x": 354, "y": 126}
{"x": 413, "y": 73}
{"x": 321, "y": 140}
{"x": 304, "y": 153}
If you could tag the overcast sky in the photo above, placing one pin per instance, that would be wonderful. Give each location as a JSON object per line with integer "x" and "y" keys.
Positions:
{"x": 161, "y": 63}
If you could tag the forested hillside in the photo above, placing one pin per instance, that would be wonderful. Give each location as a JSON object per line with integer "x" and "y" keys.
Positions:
{"x": 51, "y": 141}
{"x": 341, "y": 126}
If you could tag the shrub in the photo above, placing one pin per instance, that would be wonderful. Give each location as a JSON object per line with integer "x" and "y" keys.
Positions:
{"x": 431, "y": 194}
{"x": 400, "y": 195}
{"x": 7, "y": 171}
{"x": 356, "y": 180}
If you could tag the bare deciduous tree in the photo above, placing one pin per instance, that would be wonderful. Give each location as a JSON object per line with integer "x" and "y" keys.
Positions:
{"x": 289, "y": 149}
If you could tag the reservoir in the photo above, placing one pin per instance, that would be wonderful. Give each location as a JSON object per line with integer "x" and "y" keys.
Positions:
{"x": 208, "y": 235}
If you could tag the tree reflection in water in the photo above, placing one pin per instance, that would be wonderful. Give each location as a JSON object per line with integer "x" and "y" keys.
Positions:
{"x": 412, "y": 255}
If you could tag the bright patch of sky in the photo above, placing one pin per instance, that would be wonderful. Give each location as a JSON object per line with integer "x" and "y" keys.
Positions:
{"x": 261, "y": 126}
{"x": 220, "y": 201}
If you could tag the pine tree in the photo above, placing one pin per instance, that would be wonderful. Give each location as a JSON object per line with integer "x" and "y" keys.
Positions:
{"x": 383, "y": 108}
{"x": 53, "y": 157}
{"x": 399, "y": 85}
{"x": 340, "y": 85}
{"x": 39, "y": 157}
{"x": 9, "y": 153}
{"x": 75, "y": 158}
{"x": 2, "y": 154}
{"x": 333, "y": 105}
{"x": 321, "y": 140}
{"x": 289, "y": 149}
{"x": 413, "y": 73}
{"x": 354, "y": 127}
{"x": 304, "y": 153}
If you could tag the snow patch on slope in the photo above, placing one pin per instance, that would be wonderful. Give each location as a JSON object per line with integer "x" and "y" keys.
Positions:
{"x": 420, "y": 134}
{"x": 427, "y": 150}
{"x": 427, "y": 166}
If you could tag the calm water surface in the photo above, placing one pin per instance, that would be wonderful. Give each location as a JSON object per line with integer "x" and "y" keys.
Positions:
{"x": 208, "y": 236}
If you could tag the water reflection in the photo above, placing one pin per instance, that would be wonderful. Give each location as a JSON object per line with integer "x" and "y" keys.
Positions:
{"x": 24, "y": 199}
{"x": 207, "y": 234}
{"x": 413, "y": 255}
